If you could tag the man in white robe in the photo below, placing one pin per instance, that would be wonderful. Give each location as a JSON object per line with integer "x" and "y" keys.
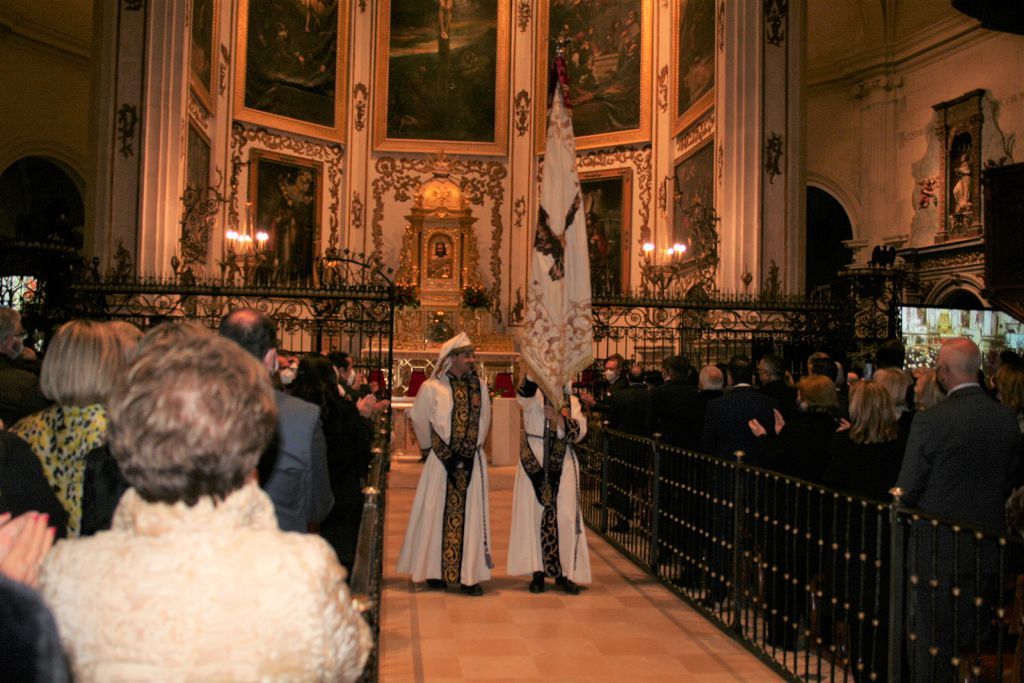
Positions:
{"x": 548, "y": 536}
{"x": 447, "y": 539}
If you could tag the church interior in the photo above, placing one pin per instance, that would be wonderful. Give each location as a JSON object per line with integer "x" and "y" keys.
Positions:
{"x": 731, "y": 154}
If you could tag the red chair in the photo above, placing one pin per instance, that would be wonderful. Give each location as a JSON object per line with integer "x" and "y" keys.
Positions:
{"x": 416, "y": 379}
{"x": 377, "y": 376}
{"x": 503, "y": 385}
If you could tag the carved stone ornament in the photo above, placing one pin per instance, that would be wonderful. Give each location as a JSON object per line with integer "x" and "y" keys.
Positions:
{"x": 225, "y": 61}
{"x": 197, "y": 112}
{"x": 523, "y": 15}
{"x": 696, "y": 135}
{"x": 519, "y": 211}
{"x": 772, "y": 156}
{"x": 357, "y": 211}
{"x": 360, "y": 97}
{"x": 402, "y": 177}
{"x": 720, "y": 26}
{"x": 521, "y": 112}
{"x": 640, "y": 160}
{"x": 331, "y": 154}
{"x": 775, "y": 20}
{"x": 127, "y": 119}
{"x": 663, "y": 88}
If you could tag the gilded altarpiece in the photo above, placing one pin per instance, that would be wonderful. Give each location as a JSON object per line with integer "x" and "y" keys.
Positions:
{"x": 439, "y": 266}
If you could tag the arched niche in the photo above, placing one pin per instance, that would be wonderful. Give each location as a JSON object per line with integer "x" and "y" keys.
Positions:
{"x": 40, "y": 202}
{"x": 828, "y": 226}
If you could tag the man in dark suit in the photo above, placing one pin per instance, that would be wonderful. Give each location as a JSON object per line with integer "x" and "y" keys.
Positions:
{"x": 673, "y": 402}
{"x": 298, "y": 482}
{"x": 630, "y": 408}
{"x": 962, "y": 455}
{"x": 726, "y": 427}
{"x": 611, "y": 381}
{"x": 771, "y": 372}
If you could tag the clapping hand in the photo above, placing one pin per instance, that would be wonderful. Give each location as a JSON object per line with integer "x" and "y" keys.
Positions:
{"x": 369, "y": 406}
{"x": 24, "y": 542}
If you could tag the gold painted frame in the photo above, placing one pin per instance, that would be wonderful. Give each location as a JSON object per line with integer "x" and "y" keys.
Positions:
{"x": 497, "y": 147}
{"x": 625, "y": 176}
{"x": 335, "y": 132}
{"x": 431, "y": 236}
{"x": 642, "y": 133}
{"x": 683, "y": 119}
{"x": 262, "y": 219}
{"x": 205, "y": 93}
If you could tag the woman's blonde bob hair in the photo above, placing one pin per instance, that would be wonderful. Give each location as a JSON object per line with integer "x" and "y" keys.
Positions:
{"x": 81, "y": 364}
{"x": 872, "y": 413}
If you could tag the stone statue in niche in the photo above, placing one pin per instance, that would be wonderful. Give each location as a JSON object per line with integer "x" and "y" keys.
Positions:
{"x": 959, "y": 130}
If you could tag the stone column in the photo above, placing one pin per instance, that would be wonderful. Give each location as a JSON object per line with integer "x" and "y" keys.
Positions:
{"x": 878, "y": 98}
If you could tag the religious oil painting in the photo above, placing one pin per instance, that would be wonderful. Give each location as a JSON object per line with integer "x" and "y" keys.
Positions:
{"x": 440, "y": 259}
{"x": 292, "y": 65}
{"x": 197, "y": 162}
{"x": 285, "y": 195}
{"x": 607, "y": 200}
{"x": 607, "y": 47}
{"x": 694, "y": 184}
{"x": 694, "y": 58}
{"x": 442, "y": 78}
{"x": 203, "y": 51}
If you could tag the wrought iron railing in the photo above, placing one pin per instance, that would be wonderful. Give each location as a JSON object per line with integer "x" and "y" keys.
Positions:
{"x": 368, "y": 568}
{"x": 817, "y": 582}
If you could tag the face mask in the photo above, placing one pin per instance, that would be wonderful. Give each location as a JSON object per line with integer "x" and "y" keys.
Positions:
{"x": 287, "y": 376}
{"x": 350, "y": 379}
{"x": 17, "y": 348}
{"x": 611, "y": 375}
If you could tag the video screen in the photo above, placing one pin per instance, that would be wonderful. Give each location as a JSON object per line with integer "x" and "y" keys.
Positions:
{"x": 924, "y": 329}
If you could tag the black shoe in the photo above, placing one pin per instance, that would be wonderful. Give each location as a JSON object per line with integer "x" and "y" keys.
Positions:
{"x": 475, "y": 590}
{"x": 437, "y": 584}
{"x": 537, "y": 585}
{"x": 568, "y": 586}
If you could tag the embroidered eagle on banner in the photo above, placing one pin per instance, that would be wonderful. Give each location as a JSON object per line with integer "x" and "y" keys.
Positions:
{"x": 549, "y": 244}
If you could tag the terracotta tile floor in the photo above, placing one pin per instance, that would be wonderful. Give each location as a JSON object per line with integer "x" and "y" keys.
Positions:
{"x": 624, "y": 627}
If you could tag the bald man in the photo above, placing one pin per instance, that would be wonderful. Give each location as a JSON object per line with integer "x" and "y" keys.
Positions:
{"x": 961, "y": 459}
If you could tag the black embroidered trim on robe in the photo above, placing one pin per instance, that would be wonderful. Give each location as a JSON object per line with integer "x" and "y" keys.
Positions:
{"x": 545, "y": 480}
{"x": 458, "y": 457}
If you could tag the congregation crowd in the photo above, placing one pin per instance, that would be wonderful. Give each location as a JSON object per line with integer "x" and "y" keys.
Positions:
{"x": 174, "y": 471}
{"x": 949, "y": 438}
{"x": 206, "y": 489}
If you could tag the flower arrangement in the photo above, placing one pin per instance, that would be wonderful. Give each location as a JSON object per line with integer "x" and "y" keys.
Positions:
{"x": 406, "y": 296}
{"x": 475, "y": 297}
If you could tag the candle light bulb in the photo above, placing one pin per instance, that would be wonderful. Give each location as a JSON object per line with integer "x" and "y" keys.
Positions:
{"x": 261, "y": 236}
{"x": 648, "y": 247}
{"x": 232, "y": 235}
{"x": 680, "y": 248}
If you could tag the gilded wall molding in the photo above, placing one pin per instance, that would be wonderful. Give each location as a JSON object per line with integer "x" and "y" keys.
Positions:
{"x": 127, "y": 119}
{"x": 637, "y": 158}
{"x": 775, "y": 20}
{"x": 521, "y": 112}
{"x": 401, "y": 177}
{"x": 197, "y": 112}
{"x": 772, "y": 156}
{"x": 225, "y": 62}
{"x": 360, "y": 99}
{"x": 331, "y": 154}
{"x": 524, "y": 13}
{"x": 663, "y": 88}
{"x": 357, "y": 211}
{"x": 695, "y": 135}
{"x": 519, "y": 211}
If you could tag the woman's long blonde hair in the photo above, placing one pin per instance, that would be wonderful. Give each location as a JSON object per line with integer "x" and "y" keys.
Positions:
{"x": 872, "y": 413}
